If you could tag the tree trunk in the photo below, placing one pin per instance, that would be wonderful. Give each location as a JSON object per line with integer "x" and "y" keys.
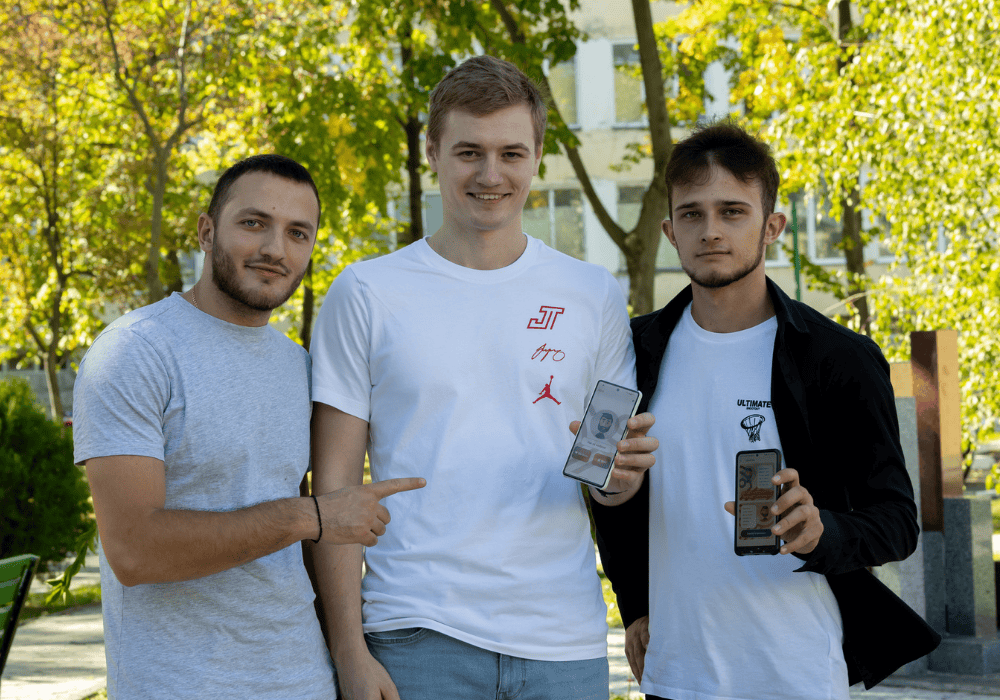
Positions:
{"x": 154, "y": 288}
{"x": 854, "y": 249}
{"x": 413, "y": 155}
{"x": 854, "y": 255}
{"x": 50, "y": 363}
{"x": 308, "y": 302}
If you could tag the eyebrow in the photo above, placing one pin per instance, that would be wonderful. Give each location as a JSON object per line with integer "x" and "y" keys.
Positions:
{"x": 509, "y": 147}
{"x": 260, "y": 214}
{"x": 727, "y": 203}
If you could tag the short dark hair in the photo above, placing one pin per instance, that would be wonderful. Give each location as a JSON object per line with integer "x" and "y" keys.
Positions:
{"x": 282, "y": 166}
{"x": 727, "y": 145}
{"x": 483, "y": 85}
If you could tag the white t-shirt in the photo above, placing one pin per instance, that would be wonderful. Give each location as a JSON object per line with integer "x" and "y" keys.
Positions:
{"x": 226, "y": 408}
{"x": 470, "y": 378}
{"x": 725, "y": 627}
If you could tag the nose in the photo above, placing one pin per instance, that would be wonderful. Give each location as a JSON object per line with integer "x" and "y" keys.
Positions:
{"x": 272, "y": 245}
{"x": 489, "y": 172}
{"x": 711, "y": 231}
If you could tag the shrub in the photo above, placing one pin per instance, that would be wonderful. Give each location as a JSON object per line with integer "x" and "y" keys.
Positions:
{"x": 44, "y": 497}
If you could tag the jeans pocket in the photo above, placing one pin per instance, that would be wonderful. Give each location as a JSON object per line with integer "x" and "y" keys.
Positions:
{"x": 406, "y": 635}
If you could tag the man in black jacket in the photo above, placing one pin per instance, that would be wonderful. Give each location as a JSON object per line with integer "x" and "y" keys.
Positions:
{"x": 732, "y": 364}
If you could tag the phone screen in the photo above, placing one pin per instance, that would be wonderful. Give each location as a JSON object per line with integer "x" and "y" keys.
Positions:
{"x": 755, "y": 494}
{"x": 604, "y": 424}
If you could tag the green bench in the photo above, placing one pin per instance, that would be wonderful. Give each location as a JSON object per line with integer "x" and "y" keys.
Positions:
{"x": 15, "y": 580}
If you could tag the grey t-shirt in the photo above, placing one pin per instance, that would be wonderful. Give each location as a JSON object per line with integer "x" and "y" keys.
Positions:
{"x": 226, "y": 408}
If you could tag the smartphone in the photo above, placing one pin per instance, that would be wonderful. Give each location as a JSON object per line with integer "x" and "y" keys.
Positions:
{"x": 755, "y": 494}
{"x": 605, "y": 422}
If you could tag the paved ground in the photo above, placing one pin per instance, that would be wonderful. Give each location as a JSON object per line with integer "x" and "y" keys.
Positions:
{"x": 61, "y": 657}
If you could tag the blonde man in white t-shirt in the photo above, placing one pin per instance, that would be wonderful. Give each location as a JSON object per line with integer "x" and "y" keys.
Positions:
{"x": 462, "y": 358}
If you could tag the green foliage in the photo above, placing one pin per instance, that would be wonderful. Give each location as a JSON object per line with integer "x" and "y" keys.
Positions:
{"x": 44, "y": 498}
{"x": 41, "y": 604}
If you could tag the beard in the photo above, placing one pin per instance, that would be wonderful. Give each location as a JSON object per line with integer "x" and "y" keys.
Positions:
{"x": 226, "y": 279}
{"x": 717, "y": 280}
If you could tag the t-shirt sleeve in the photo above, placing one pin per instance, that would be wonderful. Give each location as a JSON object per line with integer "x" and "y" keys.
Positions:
{"x": 616, "y": 359}
{"x": 119, "y": 399}
{"x": 341, "y": 347}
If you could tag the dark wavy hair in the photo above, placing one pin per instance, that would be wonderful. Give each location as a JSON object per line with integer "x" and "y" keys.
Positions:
{"x": 727, "y": 145}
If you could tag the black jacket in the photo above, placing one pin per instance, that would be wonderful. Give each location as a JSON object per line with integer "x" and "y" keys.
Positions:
{"x": 836, "y": 418}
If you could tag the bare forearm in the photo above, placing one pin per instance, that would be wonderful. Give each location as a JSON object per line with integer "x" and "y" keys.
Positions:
{"x": 180, "y": 545}
{"x": 338, "y": 571}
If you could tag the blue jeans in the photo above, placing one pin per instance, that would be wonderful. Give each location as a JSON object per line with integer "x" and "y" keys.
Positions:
{"x": 427, "y": 665}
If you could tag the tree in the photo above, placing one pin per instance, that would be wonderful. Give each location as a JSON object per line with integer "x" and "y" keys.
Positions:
{"x": 181, "y": 70}
{"x": 51, "y": 268}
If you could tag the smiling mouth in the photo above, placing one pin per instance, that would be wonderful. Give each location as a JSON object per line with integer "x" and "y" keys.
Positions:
{"x": 483, "y": 197}
{"x": 270, "y": 271}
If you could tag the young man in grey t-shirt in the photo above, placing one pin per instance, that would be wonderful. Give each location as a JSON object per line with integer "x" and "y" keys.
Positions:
{"x": 192, "y": 418}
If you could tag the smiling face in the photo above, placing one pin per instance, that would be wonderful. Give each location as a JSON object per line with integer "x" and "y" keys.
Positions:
{"x": 260, "y": 244}
{"x": 719, "y": 229}
{"x": 484, "y": 167}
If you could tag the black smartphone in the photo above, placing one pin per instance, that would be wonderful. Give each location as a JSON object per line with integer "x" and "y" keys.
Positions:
{"x": 755, "y": 494}
{"x": 605, "y": 422}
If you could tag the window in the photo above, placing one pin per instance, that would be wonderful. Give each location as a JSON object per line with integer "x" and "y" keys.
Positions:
{"x": 555, "y": 217}
{"x": 629, "y": 92}
{"x": 562, "y": 80}
{"x": 629, "y": 206}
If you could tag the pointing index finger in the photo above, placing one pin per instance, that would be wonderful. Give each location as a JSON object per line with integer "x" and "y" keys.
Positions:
{"x": 388, "y": 487}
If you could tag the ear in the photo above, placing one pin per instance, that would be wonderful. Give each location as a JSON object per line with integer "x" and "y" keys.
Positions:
{"x": 668, "y": 231}
{"x": 538, "y": 156}
{"x": 774, "y": 226}
{"x": 430, "y": 148}
{"x": 206, "y": 232}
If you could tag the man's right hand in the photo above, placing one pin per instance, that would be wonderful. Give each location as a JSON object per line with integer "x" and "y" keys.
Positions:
{"x": 636, "y": 641}
{"x": 364, "y": 678}
{"x": 354, "y": 515}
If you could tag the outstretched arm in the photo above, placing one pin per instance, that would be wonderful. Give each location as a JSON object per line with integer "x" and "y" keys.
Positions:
{"x": 147, "y": 543}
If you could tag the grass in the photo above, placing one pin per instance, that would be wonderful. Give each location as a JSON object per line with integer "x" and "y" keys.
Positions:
{"x": 35, "y": 605}
{"x": 99, "y": 695}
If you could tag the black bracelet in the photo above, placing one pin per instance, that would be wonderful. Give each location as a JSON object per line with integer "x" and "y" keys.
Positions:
{"x": 606, "y": 494}
{"x": 320, "y": 518}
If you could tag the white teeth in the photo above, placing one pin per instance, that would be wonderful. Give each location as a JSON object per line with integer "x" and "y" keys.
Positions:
{"x": 488, "y": 196}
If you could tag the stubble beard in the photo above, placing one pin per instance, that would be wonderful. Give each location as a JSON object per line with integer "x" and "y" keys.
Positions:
{"x": 225, "y": 278}
{"x": 717, "y": 280}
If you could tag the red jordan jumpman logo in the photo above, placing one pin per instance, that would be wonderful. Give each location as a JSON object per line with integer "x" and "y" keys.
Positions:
{"x": 546, "y": 393}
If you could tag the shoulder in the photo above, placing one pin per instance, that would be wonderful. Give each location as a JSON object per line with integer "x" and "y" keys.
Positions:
{"x": 641, "y": 323}
{"x": 287, "y": 345}
{"x": 833, "y": 351}
{"x": 138, "y": 332}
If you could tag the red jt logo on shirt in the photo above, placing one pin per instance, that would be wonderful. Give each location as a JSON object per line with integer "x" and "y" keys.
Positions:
{"x": 547, "y": 319}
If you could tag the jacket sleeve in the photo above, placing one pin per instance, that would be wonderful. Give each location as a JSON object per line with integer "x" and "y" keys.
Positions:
{"x": 872, "y": 520}
{"x": 623, "y": 542}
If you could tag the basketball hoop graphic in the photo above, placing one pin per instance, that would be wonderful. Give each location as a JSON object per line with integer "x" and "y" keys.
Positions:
{"x": 752, "y": 424}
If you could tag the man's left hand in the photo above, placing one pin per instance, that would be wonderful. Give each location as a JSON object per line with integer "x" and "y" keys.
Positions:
{"x": 635, "y": 457}
{"x": 800, "y": 525}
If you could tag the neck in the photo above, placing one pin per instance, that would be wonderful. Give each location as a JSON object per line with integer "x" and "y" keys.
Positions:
{"x": 206, "y": 297}
{"x": 479, "y": 250}
{"x": 732, "y": 308}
